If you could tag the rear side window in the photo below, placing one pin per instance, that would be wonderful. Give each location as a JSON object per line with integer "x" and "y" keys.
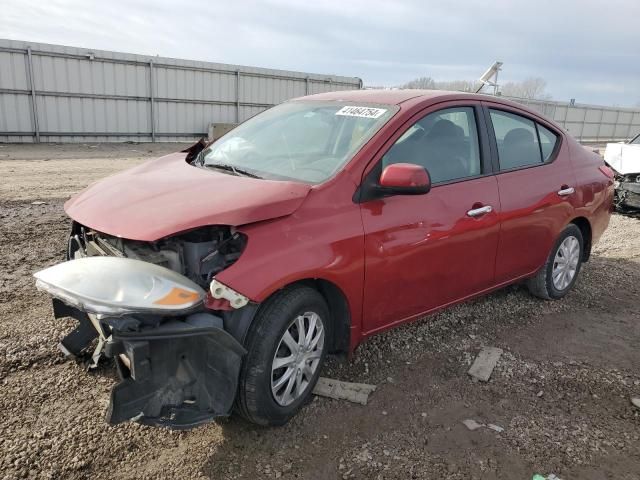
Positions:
{"x": 548, "y": 141}
{"x": 521, "y": 141}
{"x": 517, "y": 140}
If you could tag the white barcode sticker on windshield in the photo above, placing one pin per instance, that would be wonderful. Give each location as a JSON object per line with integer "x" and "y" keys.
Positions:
{"x": 364, "y": 112}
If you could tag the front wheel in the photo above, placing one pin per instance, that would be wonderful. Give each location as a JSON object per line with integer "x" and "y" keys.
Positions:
{"x": 286, "y": 349}
{"x": 559, "y": 273}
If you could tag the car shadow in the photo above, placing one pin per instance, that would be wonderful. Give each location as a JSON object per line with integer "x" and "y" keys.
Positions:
{"x": 412, "y": 425}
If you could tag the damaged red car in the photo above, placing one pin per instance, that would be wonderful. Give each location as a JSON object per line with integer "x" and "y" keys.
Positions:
{"x": 221, "y": 277}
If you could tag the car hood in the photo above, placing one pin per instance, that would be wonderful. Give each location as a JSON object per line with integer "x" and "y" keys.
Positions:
{"x": 624, "y": 158}
{"x": 167, "y": 196}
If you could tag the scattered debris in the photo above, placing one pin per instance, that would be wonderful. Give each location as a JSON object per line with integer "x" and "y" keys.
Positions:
{"x": 353, "y": 392}
{"x": 495, "y": 428}
{"x": 484, "y": 363}
{"x": 472, "y": 424}
{"x": 539, "y": 394}
{"x": 38, "y": 202}
{"x": 635, "y": 401}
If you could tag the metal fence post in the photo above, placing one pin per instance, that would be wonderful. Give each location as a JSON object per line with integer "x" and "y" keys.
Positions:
{"x": 152, "y": 102}
{"x": 584, "y": 123}
{"x": 237, "y": 96}
{"x": 629, "y": 135}
{"x": 599, "y": 125}
{"x": 34, "y": 104}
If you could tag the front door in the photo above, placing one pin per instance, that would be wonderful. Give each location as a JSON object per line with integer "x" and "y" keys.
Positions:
{"x": 426, "y": 251}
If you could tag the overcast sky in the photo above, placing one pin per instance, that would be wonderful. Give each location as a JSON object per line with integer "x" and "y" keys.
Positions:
{"x": 584, "y": 49}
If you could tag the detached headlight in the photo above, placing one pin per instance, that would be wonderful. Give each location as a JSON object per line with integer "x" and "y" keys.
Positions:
{"x": 112, "y": 286}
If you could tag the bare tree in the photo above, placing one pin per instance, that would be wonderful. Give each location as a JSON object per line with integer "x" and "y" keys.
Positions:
{"x": 422, "y": 83}
{"x": 457, "y": 85}
{"x": 531, "y": 88}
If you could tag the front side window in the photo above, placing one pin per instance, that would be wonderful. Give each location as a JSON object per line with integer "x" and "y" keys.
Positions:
{"x": 635, "y": 141}
{"x": 444, "y": 142}
{"x": 300, "y": 141}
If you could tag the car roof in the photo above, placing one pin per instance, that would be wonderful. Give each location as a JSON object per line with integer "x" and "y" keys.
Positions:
{"x": 388, "y": 97}
{"x": 411, "y": 97}
{"x": 399, "y": 96}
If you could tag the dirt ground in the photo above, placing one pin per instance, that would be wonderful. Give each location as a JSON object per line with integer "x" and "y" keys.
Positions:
{"x": 561, "y": 390}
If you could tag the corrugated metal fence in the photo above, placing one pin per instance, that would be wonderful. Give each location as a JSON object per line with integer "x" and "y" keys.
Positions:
{"x": 589, "y": 123}
{"x": 53, "y": 93}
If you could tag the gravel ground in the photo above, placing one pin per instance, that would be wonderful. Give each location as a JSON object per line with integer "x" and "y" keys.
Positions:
{"x": 560, "y": 391}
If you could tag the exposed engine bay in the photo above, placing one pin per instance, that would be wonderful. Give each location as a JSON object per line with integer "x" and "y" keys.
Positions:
{"x": 198, "y": 255}
{"x": 624, "y": 159}
{"x": 627, "y": 194}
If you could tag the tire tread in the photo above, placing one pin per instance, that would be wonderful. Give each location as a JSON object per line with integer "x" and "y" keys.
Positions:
{"x": 540, "y": 284}
{"x": 264, "y": 326}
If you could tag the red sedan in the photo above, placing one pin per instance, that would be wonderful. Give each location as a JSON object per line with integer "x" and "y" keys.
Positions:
{"x": 225, "y": 274}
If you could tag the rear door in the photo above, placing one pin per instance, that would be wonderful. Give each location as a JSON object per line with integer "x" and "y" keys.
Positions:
{"x": 425, "y": 251}
{"x": 536, "y": 185}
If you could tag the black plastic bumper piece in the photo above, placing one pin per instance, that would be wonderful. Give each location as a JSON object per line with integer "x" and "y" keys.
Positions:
{"x": 77, "y": 342}
{"x": 179, "y": 375}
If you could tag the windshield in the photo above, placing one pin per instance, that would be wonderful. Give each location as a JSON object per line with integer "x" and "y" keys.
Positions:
{"x": 301, "y": 141}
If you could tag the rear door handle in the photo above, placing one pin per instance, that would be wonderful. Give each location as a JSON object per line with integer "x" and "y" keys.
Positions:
{"x": 477, "y": 212}
{"x": 563, "y": 192}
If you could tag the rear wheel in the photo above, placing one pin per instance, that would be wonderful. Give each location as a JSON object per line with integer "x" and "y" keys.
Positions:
{"x": 559, "y": 273}
{"x": 286, "y": 349}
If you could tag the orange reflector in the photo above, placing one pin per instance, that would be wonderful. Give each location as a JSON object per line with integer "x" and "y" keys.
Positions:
{"x": 178, "y": 296}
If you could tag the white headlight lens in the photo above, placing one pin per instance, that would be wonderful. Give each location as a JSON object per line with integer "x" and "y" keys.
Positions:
{"x": 118, "y": 286}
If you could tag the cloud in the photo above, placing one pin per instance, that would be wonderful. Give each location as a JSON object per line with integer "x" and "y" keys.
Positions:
{"x": 575, "y": 45}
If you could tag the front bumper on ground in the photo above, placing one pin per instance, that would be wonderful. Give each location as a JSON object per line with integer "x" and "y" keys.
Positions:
{"x": 179, "y": 373}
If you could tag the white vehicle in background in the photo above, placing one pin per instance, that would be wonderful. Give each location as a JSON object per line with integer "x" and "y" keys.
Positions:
{"x": 624, "y": 159}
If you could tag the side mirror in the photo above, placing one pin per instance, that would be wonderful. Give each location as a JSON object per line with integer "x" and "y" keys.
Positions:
{"x": 404, "y": 179}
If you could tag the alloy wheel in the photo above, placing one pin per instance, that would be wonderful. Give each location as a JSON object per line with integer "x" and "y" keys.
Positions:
{"x": 565, "y": 263}
{"x": 297, "y": 358}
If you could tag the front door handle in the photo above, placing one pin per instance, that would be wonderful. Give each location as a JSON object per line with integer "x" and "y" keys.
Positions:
{"x": 477, "y": 212}
{"x": 564, "y": 191}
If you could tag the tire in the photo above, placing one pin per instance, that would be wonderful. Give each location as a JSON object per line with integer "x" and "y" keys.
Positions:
{"x": 543, "y": 284}
{"x": 256, "y": 400}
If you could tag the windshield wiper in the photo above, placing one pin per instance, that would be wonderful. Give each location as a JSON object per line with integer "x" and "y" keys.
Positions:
{"x": 231, "y": 168}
